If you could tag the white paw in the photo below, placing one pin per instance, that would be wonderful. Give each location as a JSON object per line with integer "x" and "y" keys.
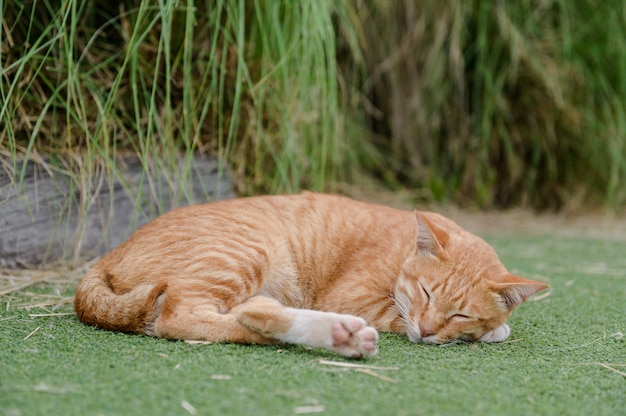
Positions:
{"x": 344, "y": 334}
{"x": 498, "y": 334}
{"x": 353, "y": 338}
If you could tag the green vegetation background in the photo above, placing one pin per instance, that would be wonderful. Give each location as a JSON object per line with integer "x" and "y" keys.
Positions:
{"x": 565, "y": 356}
{"x": 491, "y": 104}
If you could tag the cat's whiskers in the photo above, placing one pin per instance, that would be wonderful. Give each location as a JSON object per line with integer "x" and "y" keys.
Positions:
{"x": 402, "y": 306}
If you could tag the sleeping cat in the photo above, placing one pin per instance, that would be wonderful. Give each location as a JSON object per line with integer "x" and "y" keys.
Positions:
{"x": 311, "y": 269}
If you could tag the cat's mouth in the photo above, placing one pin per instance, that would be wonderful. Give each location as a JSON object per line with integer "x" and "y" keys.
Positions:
{"x": 415, "y": 336}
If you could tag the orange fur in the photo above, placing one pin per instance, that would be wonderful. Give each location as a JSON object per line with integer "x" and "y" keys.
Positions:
{"x": 308, "y": 268}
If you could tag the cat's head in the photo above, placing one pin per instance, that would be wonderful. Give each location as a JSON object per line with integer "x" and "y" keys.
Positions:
{"x": 454, "y": 287}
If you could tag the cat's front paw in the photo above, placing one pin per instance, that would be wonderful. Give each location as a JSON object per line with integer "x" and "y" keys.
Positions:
{"x": 498, "y": 334}
{"x": 353, "y": 338}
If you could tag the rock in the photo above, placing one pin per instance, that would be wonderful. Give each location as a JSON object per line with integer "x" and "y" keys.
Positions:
{"x": 59, "y": 212}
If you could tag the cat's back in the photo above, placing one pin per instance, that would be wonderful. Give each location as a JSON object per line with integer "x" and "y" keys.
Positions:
{"x": 280, "y": 219}
{"x": 303, "y": 223}
{"x": 260, "y": 214}
{"x": 251, "y": 215}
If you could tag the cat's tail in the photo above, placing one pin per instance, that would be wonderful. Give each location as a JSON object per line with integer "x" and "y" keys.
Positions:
{"x": 96, "y": 304}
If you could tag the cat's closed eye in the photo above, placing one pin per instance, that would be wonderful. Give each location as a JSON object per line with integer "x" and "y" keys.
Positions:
{"x": 425, "y": 292}
{"x": 461, "y": 317}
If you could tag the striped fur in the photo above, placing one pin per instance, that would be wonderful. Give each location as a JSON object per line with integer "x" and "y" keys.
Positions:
{"x": 306, "y": 269}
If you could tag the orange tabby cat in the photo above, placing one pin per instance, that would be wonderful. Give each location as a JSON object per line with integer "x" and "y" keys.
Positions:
{"x": 303, "y": 269}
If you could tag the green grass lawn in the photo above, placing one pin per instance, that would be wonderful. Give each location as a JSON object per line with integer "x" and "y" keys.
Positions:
{"x": 566, "y": 355}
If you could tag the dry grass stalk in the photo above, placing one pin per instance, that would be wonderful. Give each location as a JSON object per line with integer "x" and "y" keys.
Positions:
{"x": 41, "y": 305}
{"x": 303, "y": 410}
{"x": 608, "y": 367}
{"x": 363, "y": 369}
{"x": 354, "y": 365}
{"x": 15, "y": 281}
{"x": 23, "y": 285}
{"x": 189, "y": 407}
{"x": 32, "y": 333}
{"x": 221, "y": 377}
{"x": 41, "y": 315}
{"x": 374, "y": 374}
{"x": 512, "y": 341}
{"x": 197, "y": 342}
{"x": 542, "y": 296}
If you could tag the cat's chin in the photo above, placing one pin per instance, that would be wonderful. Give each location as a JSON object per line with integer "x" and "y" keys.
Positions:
{"x": 414, "y": 338}
{"x": 414, "y": 335}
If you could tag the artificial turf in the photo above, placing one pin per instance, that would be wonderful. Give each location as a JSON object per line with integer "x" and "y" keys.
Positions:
{"x": 566, "y": 355}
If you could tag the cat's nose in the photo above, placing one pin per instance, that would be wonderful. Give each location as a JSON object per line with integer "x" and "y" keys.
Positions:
{"x": 426, "y": 331}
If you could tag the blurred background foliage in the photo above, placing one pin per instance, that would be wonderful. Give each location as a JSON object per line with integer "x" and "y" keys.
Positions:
{"x": 480, "y": 103}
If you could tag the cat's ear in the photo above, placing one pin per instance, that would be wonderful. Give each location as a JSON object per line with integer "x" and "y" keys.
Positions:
{"x": 514, "y": 290}
{"x": 430, "y": 239}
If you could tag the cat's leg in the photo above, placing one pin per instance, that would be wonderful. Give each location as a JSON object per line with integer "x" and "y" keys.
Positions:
{"x": 201, "y": 317}
{"x": 260, "y": 320}
{"x": 344, "y": 334}
{"x": 498, "y": 334}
